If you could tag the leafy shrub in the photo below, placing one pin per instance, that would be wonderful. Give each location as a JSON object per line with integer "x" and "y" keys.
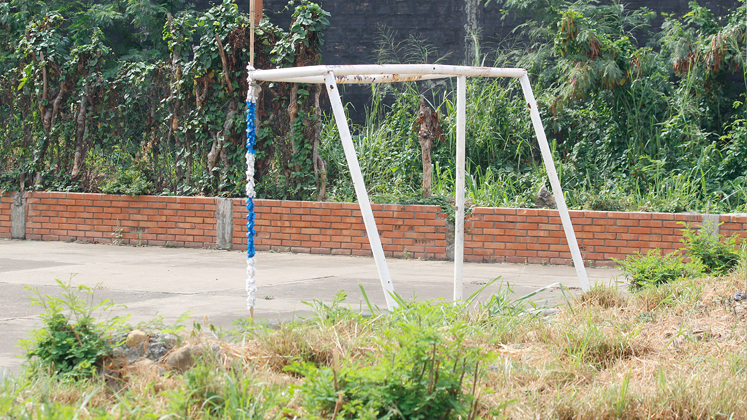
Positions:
{"x": 421, "y": 371}
{"x": 718, "y": 256}
{"x": 654, "y": 268}
{"x": 416, "y": 381}
{"x": 129, "y": 182}
{"x": 71, "y": 342}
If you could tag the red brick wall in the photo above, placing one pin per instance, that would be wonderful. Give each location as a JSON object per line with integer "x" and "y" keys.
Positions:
{"x": 143, "y": 220}
{"x": 412, "y": 231}
{"x": 733, "y": 225}
{"x": 536, "y": 236}
{"x": 5, "y": 208}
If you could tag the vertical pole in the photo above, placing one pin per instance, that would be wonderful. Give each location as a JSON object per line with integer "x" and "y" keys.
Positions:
{"x": 565, "y": 217}
{"x": 251, "y": 138}
{"x": 460, "y": 158}
{"x": 252, "y": 14}
{"x": 360, "y": 189}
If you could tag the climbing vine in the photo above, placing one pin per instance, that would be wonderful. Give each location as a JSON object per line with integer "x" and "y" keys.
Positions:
{"x": 90, "y": 105}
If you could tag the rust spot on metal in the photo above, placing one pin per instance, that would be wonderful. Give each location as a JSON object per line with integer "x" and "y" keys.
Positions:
{"x": 401, "y": 78}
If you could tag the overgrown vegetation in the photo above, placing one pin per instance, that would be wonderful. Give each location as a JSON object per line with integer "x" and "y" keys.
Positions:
{"x": 139, "y": 97}
{"x": 655, "y": 268}
{"x": 147, "y": 97}
{"x": 657, "y": 352}
{"x": 655, "y": 127}
{"x": 704, "y": 252}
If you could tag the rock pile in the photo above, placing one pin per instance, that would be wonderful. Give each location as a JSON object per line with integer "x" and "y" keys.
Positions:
{"x": 140, "y": 349}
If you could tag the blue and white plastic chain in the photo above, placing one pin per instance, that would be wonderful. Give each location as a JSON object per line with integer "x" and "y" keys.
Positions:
{"x": 251, "y": 233}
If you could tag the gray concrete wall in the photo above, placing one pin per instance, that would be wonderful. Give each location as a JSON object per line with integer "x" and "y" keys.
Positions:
{"x": 18, "y": 216}
{"x": 224, "y": 223}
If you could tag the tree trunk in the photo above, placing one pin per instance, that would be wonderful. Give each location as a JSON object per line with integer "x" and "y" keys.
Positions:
{"x": 48, "y": 120}
{"x": 429, "y": 129}
{"x": 81, "y": 129}
{"x": 220, "y": 138}
{"x": 292, "y": 115}
{"x": 320, "y": 166}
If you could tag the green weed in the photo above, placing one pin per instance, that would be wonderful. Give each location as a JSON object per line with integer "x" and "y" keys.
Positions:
{"x": 654, "y": 268}
{"x": 587, "y": 345}
{"x": 218, "y": 391}
{"x": 74, "y": 338}
{"x": 718, "y": 256}
{"x": 422, "y": 370}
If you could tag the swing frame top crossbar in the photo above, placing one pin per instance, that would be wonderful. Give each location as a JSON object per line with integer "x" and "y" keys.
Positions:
{"x": 330, "y": 76}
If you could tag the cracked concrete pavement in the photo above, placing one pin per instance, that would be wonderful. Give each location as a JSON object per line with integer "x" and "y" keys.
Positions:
{"x": 168, "y": 282}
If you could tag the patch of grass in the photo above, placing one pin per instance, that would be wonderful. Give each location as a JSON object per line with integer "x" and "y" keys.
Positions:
{"x": 587, "y": 343}
{"x": 606, "y": 296}
{"x": 672, "y": 351}
{"x": 214, "y": 390}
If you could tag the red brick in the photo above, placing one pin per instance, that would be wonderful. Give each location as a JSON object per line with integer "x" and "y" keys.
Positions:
{"x": 526, "y": 226}
{"x": 547, "y": 254}
{"x": 639, "y": 216}
{"x": 605, "y": 222}
{"x": 579, "y": 221}
{"x": 590, "y": 228}
{"x": 641, "y": 230}
{"x": 605, "y": 249}
{"x": 528, "y": 212}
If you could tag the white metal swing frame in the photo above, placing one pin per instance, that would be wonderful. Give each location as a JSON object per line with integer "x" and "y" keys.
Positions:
{"x": 331, "y": 76}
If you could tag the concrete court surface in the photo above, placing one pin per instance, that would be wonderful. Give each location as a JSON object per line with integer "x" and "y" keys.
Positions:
{"x": 168, "y": 282}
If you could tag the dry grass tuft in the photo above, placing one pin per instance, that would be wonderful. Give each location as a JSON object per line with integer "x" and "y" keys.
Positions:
{"x": 606, "y": 296}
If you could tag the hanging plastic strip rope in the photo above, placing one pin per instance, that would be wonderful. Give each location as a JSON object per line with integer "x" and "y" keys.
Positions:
{"x": 251, "y": 233}
{"x": 251, "y": 140}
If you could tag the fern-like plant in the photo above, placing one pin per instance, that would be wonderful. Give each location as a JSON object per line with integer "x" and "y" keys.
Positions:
{"x": 654, "y": 268}
{"x": 72, "y": 341}
{"x": 718, "y": 256}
